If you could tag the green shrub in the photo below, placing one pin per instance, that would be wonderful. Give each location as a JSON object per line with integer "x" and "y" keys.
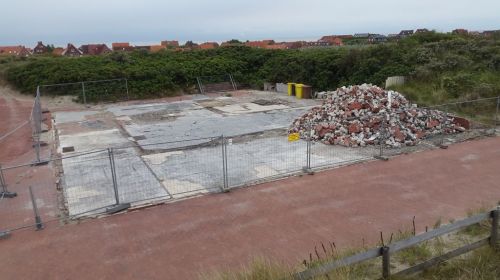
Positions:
{"x": 439, "y": 67}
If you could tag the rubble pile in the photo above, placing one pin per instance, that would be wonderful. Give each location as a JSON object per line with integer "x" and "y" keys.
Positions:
{"x": 366, "y": 115}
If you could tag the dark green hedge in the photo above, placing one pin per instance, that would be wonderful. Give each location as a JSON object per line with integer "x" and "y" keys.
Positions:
{"x": 456, "y": 65}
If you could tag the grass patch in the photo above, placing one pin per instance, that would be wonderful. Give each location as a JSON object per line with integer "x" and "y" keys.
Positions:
{"x": 259, "y": 269}
{"x": 482, "y": 263}
{"x": 414, "y": 254}
{"x": 480, "y": 229}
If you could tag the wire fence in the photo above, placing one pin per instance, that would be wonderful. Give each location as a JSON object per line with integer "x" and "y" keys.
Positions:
{"x": 87, "y": 92}
{"x": 113, "y": 179}
{"x": 218, "y": 83}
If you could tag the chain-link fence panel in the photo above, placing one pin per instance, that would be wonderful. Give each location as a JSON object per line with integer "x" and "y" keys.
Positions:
{"x": 114, "y": 90}
{"x": 88, "y": 92}
{"x": 28, "y": 198}
{"x": 217, "y": 83}
{"x": 253, "y": 159}
{"x": 136, "y": 182}
{"x": 87, "y": 181}
{"x": 189, "y": 169}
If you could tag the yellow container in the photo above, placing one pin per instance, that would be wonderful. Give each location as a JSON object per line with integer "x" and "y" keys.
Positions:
{"x": 291, "y": 89}
{"x": 298, "y": 91}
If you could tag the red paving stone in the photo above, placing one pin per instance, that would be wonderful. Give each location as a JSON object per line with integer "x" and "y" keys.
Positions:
{"x": 282, "y": 220}
{"x": 14, "y": 113}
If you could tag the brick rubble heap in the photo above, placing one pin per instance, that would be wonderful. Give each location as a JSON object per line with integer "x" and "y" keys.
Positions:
{"x": 360, "y": 115}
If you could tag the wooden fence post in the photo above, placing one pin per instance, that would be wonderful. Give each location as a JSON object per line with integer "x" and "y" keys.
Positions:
{"x": 494, "y": 228}
{"x": 386, "y": 263}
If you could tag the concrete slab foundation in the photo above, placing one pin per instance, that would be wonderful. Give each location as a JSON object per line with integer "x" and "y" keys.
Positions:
{"x": 173, "y": 150}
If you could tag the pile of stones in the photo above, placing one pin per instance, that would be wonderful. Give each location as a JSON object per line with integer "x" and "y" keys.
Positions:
{"x": 367, "y": 115}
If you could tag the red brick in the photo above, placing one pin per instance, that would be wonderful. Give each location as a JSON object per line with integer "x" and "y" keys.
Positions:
{"x": 354, "y": 128}
{"x": 461, "y": 122}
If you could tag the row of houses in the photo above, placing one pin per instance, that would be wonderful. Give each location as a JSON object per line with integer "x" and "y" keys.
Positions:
{"x": 98, "y": 49}
{"x": 40, "y": 48}
{"x": 325, "y": 41}
{"x": 380, "y": 38}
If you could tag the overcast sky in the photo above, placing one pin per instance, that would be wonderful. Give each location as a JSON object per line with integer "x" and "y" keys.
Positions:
{"x": 149, "y": 21}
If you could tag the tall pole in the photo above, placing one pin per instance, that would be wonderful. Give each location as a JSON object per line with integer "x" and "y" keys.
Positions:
{"x": 224, "y": 164}
{"x": 126, "y": 87}
{"x": 4, "y": 192}
{"x": 113, "y": 175}
{"x": 496, "y": 113}
{"x": 37, "y": 119}
{"x": 84, "y": 95}
{"x": 309, "y": 132}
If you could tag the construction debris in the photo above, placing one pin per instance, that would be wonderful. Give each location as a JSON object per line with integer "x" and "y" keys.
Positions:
{"x": 367, "y": 115}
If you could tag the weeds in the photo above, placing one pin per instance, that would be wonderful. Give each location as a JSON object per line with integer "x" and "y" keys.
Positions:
{"x": 414, "y": 254}
{"x": 260, "y": 269}
{"x": 437, "y": 224}
{"x": 482, "y": 263}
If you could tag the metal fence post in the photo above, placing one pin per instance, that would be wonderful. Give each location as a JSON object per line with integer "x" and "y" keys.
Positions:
{"x": 308, "y": 168}
{"x": 84, "y": 95}
{"x": 38, "y": 220}
{"x": 225, "y": 158}
{"x": 382, "y": 136}
{"x": 118, "y": 206}
{"x": 225, "y": 186}
{"x": 113, "y": 175}
{"x": 126, "y": 87}
{"x": 2, "y": 181}
{"x": 386, "y": 262}
{"x": 494, "y": 228}
{"x": 37, "y": 148}
{"x": 496, "y": 112}
{"x": 4, "y": 192}
{"x": 233, "y": 82}
{"x": 36, "y": 117}
{"x": 309, "y": 147}
{"x": 199, "y": 85}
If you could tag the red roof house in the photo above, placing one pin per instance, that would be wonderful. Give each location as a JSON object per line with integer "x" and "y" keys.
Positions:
{"x": 460, "y": 31}
{"x": 173, "y": 44}
{"x": 209, "y": 45}
{"x": 332, "y": 40}
{"x": 94, "y": 49}
{"x": 58, "y": 51}
{"x": 15, "y": 51}
{"x": 295, "y": 45}
{"x": 157, "y": 48}
{"x": 40, "y": 48}
{"x": 281, "y": 46}
{"x": 71, "y": 51}
{"x": 122, "y": 47}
